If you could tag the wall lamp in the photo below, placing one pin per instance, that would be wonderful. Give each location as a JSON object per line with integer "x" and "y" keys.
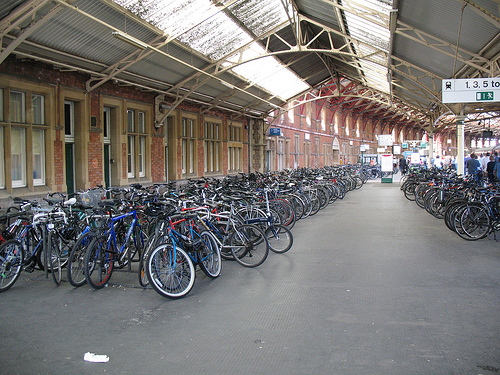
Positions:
{"x": 130, "y": 40}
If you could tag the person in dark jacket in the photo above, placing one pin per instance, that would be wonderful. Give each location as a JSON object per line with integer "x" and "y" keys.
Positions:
{"x": 490, "y": 169}
{"x": 403, "y": 166}
{"x": 474, "y": 167}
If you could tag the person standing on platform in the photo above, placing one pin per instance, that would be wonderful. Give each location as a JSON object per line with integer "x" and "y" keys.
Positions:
{"x": 490, "y": 169}
{"x": 484, "y": 162}
{"x": 496, "y": 170}
{"x": 474, "y": 168}
{"x": 403, "y": 165}
{"x": 438, "y": 162}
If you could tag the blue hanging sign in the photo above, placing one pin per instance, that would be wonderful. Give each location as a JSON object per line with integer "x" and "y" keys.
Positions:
{"x": 275, "y": 132}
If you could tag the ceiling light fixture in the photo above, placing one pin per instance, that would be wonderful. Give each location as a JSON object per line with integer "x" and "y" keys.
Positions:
{"x": 130, "y": 40}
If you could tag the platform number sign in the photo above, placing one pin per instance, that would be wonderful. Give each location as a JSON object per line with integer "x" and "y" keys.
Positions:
{"x": 471, "y": 90}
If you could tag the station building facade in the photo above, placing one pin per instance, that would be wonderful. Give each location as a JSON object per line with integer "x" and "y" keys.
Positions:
{"x": 56, "y": 136}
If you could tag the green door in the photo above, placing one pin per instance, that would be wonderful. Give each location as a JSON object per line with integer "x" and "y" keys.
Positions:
{"x": 70, "y": 169}
{"x": 107, "y": 174}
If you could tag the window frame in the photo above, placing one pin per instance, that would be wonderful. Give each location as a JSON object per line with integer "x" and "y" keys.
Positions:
{"x": 235, "y": 148}
{"x": 188, "y": 145}
{"x": 2, "y": 158}
{"x": 69, "y": 137}
{"x": 22, "y": 108}
{"x": 137, "y": 142}
{"x": 130, "y": 156}
{"x": 41, "y": 180}
{"x": 41, "y": 108}
{"x": 20, "y": 182}
{"x": 212, "y": 147}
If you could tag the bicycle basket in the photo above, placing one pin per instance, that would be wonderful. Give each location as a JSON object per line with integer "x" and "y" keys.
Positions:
{"x": 91, "y": 197}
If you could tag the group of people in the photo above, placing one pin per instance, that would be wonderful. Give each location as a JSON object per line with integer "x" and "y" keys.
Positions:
{"x": 487, "y": 165}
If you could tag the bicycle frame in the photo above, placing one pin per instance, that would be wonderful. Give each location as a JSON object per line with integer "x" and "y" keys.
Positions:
{"x": 112, "y": 244}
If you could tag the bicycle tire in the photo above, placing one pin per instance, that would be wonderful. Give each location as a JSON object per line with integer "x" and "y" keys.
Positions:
{"x": 54, "y": 257}
{"x": 475, "y": 222}
{"x": 316, "y": 205}
{"x": 143, "y": 277}
{"x": 249, "y": 245}
{"x": 99, "y": 262}
{"x": 11, "y": 263}
{"x": 75, "y": 269}
{"x": 151, "y": 243}
{"x": 210, "y": 258}
{"x": 280, "y": 238}
{"x": 170, "y": 271}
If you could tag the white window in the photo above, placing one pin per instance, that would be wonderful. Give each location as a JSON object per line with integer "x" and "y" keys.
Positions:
{"x": 234, "y": 159}
{"x": 142, "y": 122}
{"x": 37, "y": 109}
{"x": 212, "y": 147}
{"x": 235, "y": 147}
{"x": 131, "y": 156}
{"x": 106, "y": 124}
{"x": 142, "y": 156}
{"x": 69, "y": 121}
{"x": 280, "y": 155}
{"x": 18, "y": 156}
{"x": 38, "y": 157}
{"x": 2, "y": 160}
{"x": 131, "y": 121}
{"x": 188, "y": 145}
{"x": 1, "y": 105}
{"x": 136, "y": 143}
{"x": 17, "y": 106}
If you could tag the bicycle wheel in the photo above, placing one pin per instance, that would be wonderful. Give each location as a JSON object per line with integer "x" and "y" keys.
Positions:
{"x": 249, "y": 245}
{"x": 54, "y": 257}
{"x": 151, "y": 243}
{"x": 99, "y": 262}
{"x": 170, "y": 271}
{"x": 76, "y": 269}
{"x": 11, "y": 263}
{"x": 475, "y": 222}
{"x": 280, "y": 238}
{"x": 210, "y": 258}
{"x": 316, "y": 205}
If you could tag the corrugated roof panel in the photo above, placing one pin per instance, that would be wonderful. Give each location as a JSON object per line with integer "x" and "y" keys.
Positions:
{"x": 259, "y": 16}
{"x": 371, "y": 33}
{"x": 208, "y": 29}
{"x": 319, "y": 10}
{"x": 216, "y": 37}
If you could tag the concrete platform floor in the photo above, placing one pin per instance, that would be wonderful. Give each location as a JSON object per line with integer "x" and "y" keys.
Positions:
{"x": 372, "y": 285}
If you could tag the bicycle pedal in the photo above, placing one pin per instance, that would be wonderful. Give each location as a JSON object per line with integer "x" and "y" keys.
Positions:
{"x": 29, "y": 269}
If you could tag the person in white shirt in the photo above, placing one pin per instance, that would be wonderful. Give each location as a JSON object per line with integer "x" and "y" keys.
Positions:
{"x": 438, "y": 162}
{"x": 484, "y": 162}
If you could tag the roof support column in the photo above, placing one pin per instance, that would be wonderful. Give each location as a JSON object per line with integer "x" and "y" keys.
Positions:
{"x": 431, "y": 149}
{"x": 460, "y": 143}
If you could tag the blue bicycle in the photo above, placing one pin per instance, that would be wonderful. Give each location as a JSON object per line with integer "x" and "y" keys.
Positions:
{"x": 113, "y": 249}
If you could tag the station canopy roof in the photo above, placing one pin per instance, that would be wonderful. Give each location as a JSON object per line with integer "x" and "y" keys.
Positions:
{"x": 377, "y": 59}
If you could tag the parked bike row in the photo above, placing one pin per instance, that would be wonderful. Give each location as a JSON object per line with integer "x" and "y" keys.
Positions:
{"x": 469, "y": 209}
{"x": 170, "y": 231}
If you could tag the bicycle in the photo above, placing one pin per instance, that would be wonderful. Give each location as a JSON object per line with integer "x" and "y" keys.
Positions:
{"x": 279, "y": 237}
{"x": 171, "y": 266}
{"x": 245, "y": 243}
{"x": 105, "y": 250}
{"x": 38, "y": 240}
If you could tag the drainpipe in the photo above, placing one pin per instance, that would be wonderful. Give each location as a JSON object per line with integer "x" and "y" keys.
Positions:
{"x": 250, "y": 124}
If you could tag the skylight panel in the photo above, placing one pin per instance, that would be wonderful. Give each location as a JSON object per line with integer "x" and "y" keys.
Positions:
{"x": 203, "y": 26}
{"x": 373, "y": 40}
{"x": 268, "y": 73}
